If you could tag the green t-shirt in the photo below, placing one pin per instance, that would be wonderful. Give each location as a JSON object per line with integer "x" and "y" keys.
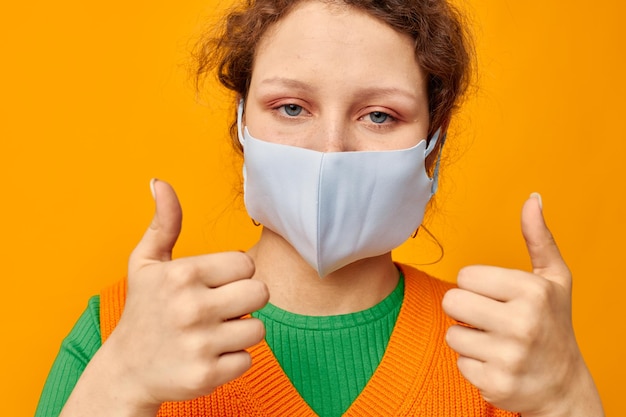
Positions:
{"x": 76, "y": 351}
{"x": 329, "y": 359}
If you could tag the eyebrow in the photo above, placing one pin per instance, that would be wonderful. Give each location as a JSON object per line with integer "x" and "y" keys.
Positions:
{"x": 287, "y": 82}
{"x": 365, "y": 93}
{"x": 386, "y": 92}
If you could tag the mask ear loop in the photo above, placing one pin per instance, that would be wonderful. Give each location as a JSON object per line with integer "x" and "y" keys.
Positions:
{"x": 431, "y": 143}
{"x": 241, "y": 139}
{"x": 239, "y": 118}
{"x": 435, "y": 183}
{"x": 429, "y": 149}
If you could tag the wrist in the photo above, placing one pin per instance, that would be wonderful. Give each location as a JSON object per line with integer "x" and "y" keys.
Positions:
{"x": 124, "y": 387}
{"x": 108, "y": 387}
{"x": 578, "y": 397}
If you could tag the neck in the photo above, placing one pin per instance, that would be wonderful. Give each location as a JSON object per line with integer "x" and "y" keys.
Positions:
{"x": 296, "y": 287}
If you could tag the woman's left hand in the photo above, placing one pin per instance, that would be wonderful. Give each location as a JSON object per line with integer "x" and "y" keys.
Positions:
{"x": 516, "y": 341}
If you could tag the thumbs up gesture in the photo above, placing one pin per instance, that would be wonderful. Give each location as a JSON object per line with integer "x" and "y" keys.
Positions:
{"x": 515, "y": 339}
{"x": 179, "y": 336}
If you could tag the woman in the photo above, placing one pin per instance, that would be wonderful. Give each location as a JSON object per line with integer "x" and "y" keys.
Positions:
{"x": 342, "y": 111}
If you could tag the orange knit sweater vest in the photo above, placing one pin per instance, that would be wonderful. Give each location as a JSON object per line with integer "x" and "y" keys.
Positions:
{"x": 416, "y": 377}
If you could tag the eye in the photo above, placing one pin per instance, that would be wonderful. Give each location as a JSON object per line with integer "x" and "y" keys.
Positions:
{"x": 292, "y": 109}
{"x": 379, "y": 117}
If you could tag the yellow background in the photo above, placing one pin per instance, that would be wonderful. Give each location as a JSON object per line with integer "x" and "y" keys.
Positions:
{"x": 95, "y": 100}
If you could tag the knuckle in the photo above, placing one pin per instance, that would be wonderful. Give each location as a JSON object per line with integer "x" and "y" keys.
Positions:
{"x": 257, "y": 330}
{"x": 452, "y": 337}
{"x": 201, "y": 378}
{"x": 240, "y": 365}
{"x": 502, "y": 387}
{"x": 463, "y": 364}
{"x": 245, "y": 262}
{"x": 212, "y": 309}
{"x": 246, "y": 360}
{"x": 539, "y": 292}
{"x": 261, "y": 290}
{"x": 187, "y": 314}
{"x": 515, "y": 359}
{"x": 181, "y": 274}
{"x": 465, "y": 276}
{"x": 253, "y": 292}
{"x": 527, "y": 327}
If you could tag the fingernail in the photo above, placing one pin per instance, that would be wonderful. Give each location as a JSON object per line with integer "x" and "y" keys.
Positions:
{"x": 152, "y": 182}
{"x": 539, "y": 199}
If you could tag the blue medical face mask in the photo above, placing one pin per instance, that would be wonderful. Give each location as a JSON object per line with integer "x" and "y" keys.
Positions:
{"x": 339, "y": 207}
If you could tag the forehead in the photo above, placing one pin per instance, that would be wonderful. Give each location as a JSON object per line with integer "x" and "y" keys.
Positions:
{"x": 336, "y": 45}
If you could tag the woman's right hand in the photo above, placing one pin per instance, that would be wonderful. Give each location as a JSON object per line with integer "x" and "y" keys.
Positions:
{"x": 180, "y": 335}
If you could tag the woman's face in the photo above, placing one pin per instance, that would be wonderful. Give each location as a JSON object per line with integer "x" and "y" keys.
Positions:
{"x": 332, "y": 78}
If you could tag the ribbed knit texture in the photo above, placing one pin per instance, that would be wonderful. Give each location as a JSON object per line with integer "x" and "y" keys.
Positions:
{"x": 416, "y": 377}
{"x": 330, "y": 359}
{"x": 76, "y": 351}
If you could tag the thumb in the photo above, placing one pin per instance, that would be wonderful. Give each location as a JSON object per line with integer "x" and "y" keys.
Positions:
{"x": 159, "y": 240}
{"x": 544, "y": 254}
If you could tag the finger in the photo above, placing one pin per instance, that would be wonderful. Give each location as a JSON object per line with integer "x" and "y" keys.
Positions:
{"x": 217, "y": 269}
{"x": 474, "y": 309}
{"x": 240, "y": 298}
{"x": 231, "y": 366}
{"x": 239, "y": 334}
{"x": 212, "y": 270}
{"x": 473, "y": 370}
{"x": 472, "y": 343}
{"x": 500, "y": 284}
{"x": 159, "y": 240}
{"x": 544, "y": 254}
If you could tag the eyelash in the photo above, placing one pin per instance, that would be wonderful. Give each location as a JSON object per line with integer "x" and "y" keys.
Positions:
{"x": 389, "y": 121}
{"x": 388, "y": 118}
